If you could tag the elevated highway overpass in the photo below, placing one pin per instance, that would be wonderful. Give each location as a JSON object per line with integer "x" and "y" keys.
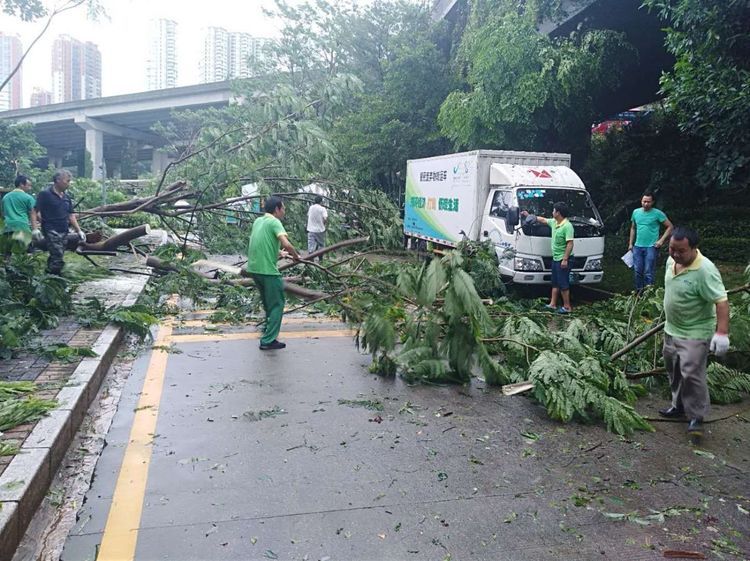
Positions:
{"x": 103, "y": 128}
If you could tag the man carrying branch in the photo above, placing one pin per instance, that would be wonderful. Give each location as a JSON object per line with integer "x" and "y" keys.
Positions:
{"x": 267, "y": 238}
{"x": 697, "y": 321}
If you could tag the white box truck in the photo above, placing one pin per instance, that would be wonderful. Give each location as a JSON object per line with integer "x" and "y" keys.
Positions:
{"x": 479, "y": 196}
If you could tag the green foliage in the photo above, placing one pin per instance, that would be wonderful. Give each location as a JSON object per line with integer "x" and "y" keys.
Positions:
{"x": 19, "y": 410}
{"x": 18, "y": 150}
{"x": 65, "y": 353}
{"x": 570, "y": 390}
{"x": 11, "y": 390}
{"x": 727, "y": 385}
{"x": 29, "y": 300}
{"x": 526, "y": 91}
{"x": 136, "y": 319}
{"x": 651, "y": 154}
{"x": 709, "y": 87}
{"x": 433, "y": 332}
{"x": 8, "y": 448}
{"x": 480, "y": 261}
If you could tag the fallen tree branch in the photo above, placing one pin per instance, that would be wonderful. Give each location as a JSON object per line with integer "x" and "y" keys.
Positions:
{"x": 327, "y": 249}
{"x": 657, "y": 328}
{"x": 639, "y": 375}
{"x": 145, "y": 204}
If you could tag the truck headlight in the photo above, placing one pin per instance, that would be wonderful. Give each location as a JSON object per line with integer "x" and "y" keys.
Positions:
{"x": 527, "y": 264}
{"x": 593, "y": 264}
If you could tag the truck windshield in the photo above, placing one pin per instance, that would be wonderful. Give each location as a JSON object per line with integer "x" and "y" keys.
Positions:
{"x": 581, "y": 211}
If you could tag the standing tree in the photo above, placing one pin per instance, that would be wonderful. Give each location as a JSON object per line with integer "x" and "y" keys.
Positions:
{"x": 18, "y": 150}
{"x": 525, "y": 91}
{"x": 709, "y": 88}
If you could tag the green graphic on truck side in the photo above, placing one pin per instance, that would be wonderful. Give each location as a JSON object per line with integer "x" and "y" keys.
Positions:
{"x": 418, "y": 217}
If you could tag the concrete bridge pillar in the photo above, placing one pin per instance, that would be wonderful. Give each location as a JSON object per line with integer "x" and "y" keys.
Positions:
{"x": 95, "y": 149}
{"x": 159, "y": 161}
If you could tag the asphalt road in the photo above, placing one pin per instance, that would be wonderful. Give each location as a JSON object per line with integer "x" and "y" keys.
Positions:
{"x": 222, "y": 452}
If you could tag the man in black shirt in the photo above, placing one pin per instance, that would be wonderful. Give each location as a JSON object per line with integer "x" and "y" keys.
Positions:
{"x": 57, "y": 213}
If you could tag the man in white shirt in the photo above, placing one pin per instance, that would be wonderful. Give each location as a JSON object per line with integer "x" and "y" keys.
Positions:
{"x": 317, "y": 218}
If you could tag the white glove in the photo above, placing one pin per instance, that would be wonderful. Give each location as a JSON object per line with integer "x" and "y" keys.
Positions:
{"x": 82, "y": 235}
{"x": 719, "y": 344}
{"x": 36, "y": 235}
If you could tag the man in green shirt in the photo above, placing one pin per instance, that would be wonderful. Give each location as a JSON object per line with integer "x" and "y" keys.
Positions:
{"x": 18, "y": 210}
{"x": 562, "y": 246}
{"x": 645, "y": 242}
{"x": 267, "y": 237}
{"x": 697, "y": 321}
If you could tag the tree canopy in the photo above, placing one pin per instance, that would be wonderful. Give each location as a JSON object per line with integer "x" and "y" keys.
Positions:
{"x": 526, "y": 91}
{"x": 709, "y": 88}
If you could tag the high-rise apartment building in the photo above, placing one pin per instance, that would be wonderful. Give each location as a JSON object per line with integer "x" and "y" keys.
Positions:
{"x": 161, "y": 66}
{"x": 76, "y": 70}
{"x": 214, "y": 65}
{"x": 10, "y": 53}
{"x": 40, "y": 96}
{"x": 229, "y": 54}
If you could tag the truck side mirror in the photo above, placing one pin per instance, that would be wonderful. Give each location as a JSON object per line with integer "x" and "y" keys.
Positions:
{"x": 511, "y": 219}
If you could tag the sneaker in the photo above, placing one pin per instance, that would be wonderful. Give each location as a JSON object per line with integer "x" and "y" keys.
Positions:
{"x": 563, "y": 310}
{"x": 275, "y": 344}
{"x": 550, "y": 307}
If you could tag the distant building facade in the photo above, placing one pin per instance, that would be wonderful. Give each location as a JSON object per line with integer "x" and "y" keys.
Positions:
{"x": 76, "y": 70}
{"x": 40, "y": 96}
{"x": 228, "y": 54}
{"x": 161, "y": 66}
{"x": 11, "y": 51}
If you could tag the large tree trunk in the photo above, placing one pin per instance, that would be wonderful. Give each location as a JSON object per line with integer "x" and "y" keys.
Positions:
{"x": 103, "y": 247}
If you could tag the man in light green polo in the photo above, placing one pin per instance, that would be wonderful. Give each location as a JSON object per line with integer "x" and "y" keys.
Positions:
{"x": 267, "y": 237}
{"x": 18, "y": 212}
{"x": 697, "y": 321}
{"x": 562, "y": 247}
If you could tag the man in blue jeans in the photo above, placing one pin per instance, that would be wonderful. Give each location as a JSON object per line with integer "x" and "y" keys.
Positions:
{"x": 645, "y": 224}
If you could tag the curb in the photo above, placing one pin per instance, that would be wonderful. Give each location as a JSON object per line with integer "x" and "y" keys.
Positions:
{"x": 26, "y": 480}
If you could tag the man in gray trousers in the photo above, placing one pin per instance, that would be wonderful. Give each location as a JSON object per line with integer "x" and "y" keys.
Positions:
{"x": 697, "y": 314}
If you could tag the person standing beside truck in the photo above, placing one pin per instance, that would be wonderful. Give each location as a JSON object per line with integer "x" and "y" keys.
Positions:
{"x": 697, "y": 321}
{"x": 562, "y": 247}
{"x": 644, "y": 241}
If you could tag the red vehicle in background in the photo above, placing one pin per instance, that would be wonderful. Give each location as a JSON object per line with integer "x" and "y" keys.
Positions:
{"x": 619, "y": 121}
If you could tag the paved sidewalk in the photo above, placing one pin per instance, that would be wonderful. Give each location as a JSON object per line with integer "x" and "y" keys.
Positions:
{"x": 25, "y": 477}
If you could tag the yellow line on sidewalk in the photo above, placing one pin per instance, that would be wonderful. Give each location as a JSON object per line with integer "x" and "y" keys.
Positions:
{"x": 121, "y": 532}
{"x": 212, "y": 337}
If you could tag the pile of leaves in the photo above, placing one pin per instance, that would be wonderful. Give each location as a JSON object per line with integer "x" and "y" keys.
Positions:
{"x": 435, "y": 328}
{"x": 18, "y": 405}
{"x": 30, "y": 299}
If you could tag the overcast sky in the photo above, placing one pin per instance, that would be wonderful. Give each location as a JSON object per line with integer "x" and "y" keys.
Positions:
{"x": 122, "y": 37}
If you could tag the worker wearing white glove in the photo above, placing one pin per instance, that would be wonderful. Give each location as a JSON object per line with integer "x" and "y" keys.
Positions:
{"x": 36, "y": 235}
{"x": 697, "y": 322}
{"x": 82, "y": 236}
{"x": 719, "y": 344}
